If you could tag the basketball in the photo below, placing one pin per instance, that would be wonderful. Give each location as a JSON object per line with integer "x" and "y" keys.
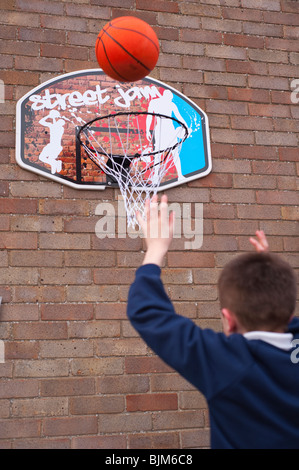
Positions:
{"x": 127, "y": 49}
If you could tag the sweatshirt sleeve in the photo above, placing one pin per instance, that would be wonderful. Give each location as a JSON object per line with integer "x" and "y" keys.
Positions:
{"x": 205, "y": 358}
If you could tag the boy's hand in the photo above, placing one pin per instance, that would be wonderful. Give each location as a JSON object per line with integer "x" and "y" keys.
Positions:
{"x": 261, "y": 243}
{"x": 157, "y": 229}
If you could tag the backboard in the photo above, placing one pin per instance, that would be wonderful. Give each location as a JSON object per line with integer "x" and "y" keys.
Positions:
{"x": 50, "y": 116}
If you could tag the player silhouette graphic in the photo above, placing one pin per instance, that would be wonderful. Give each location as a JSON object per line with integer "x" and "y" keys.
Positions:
{"x": 51, "y": 151}
{"x": 164, "y": 130}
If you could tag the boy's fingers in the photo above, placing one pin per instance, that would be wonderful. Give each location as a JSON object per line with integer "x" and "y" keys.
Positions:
{"x": 253, "y": 241}
{"x": 261, "y": 244}
{"x": 262, "y": 239}
{"x": 171, "y": 223}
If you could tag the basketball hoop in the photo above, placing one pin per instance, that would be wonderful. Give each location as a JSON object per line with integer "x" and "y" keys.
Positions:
{"x": 134, "y": 158}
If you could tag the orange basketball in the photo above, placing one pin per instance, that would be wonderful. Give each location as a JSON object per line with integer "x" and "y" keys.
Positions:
{"x": 127, "y": 49}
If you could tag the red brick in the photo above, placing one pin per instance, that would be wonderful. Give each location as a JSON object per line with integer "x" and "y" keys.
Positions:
{"x": 281, "y": 44}
{"x": 41, "y": 368}
{"x": 17, "y": 312}
{"x": 222, "y": 107}
{"x": 254, "y": 181}
{"x": 90, "y": 12}
{"x": 67, "y": 312}
{"x": 290, "y": 213}
{"x": 66, "y": 348}
{"x": 4, "y": 223}
{"x": 38, "y": 294}
{"x": 201, "y": 10}
{"x": 242, "y": 14}
{"x": 152, "y": 402}
{"x": 194, "y": 293}
{"x": 68, "y": 276}
{"x": 95, "y": 405}
{"x": 40, "y": 63}
{"x": 64, "y": 52}
{"x": 38, "y": 330}
{"x": 249, "y": 94}
{"x": 97, "y": 366}
{"x": 273, "y": 168}
{"x": 280, "y": 228}
{"x": 64, "y": 241}
{"x": 269, "y": 110}
{"x": 68, "y": 426}
{"x": 158, "y": 5}
{"x": 20, "y": 18}
{"x": 40, "y": 36}
{"x": 18, "y": 388}
{"x": 199, "y": 36}
{"x": 42, "y": 443}
{"x": 120, "y": 347}
{"x": 263, "y": 29}
{"x": 277, "y": 197}
{"x": 281, "y": 97}
{"x": 290, "y": 244}
{"x": 152, "y": 440}
{"x": 196, "y": 439}
{"x": 181, "y": 419}
{"x": 288, "y": 154}
{"x": 18, "y": 276}
{"x": 240, "y": 40}
{"x": 110, "y": 310}
{"x": 67, "y": 387}
{"x": 255, "y": 152}
{"x": 16, "y": 428}
{"x": 281, "y": 18}
{"x": 262, "y": 4}
{"x": 145, "y": 365}
{"x": 235, "y": 227}
{"x": 289, "y": 6}
{"x": 33, "y": 258}
{"x": 100, "y": 442}
{"x": 124, "y": 384}
{"x": 115, "y": 276}
{"x": 63, "y": 207}
{"x": 21, "y": 350}
{"x": 254, "y": 211}
{"x": 96, "y": 329}
{"x": 39, "y": 407}
{"x": 90, "y": 259}
{"x": 227, "y": 79}
{"x": 276, "y": 138}
{"x": 63, "y": 23}
{"x": 252, "y": 123}
{"x": 233, "y": 136}
{"x": 18, "y": 206}
{"x": 185, "y": 259}
{"x": 214, "y": 24}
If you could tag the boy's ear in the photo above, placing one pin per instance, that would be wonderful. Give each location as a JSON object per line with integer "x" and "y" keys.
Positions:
{"x": 229, "y": 321}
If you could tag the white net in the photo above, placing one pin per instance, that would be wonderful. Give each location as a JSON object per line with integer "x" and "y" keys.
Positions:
{"x": 138, "y": 151}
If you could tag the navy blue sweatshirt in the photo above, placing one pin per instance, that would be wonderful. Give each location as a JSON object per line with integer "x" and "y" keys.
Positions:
{"x": 251, "y": 386}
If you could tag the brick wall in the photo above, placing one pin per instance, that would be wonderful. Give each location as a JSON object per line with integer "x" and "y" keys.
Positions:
{"x": 76, "y": 375}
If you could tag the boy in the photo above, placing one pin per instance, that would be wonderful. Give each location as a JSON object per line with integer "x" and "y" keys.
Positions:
{"x": 245, "y": 373}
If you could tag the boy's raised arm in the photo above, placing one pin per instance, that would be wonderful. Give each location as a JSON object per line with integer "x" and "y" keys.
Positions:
{"x": 157, "y": 228}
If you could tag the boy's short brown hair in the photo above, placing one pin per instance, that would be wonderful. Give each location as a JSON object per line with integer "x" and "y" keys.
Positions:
{"x": 260, "y": 289}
